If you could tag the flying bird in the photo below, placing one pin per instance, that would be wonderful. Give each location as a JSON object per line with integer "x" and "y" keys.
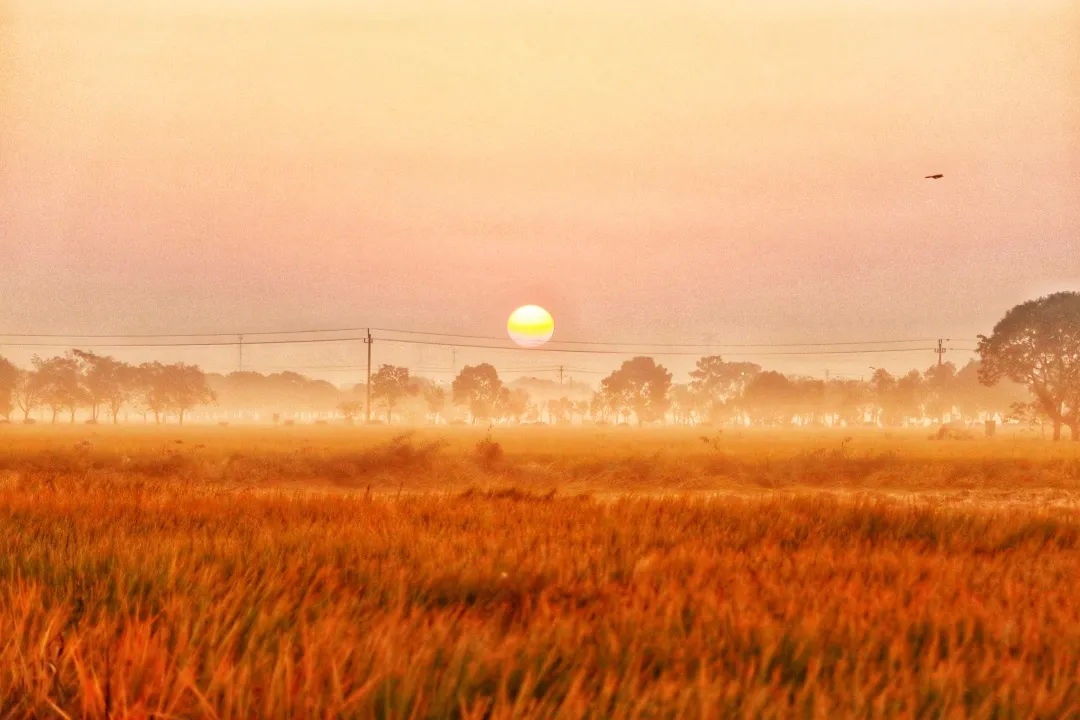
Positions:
{"x": 933, "y": 177}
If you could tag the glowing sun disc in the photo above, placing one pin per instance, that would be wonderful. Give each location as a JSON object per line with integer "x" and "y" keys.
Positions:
{"x": 530, "y": 326}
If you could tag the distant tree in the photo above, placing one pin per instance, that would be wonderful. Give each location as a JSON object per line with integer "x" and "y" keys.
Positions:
{"x": 639, "y": 386}
{"x": 62, "y": 386}
{"x": 897, "y": 399}
{"x": 600, "y": 407}
{"x": 973, "y": 398}
{"x": 153, "y": 389}
{"x": 512, "y": 404}
{"x": 389, "y": 385}
{"x": 808, "y": 401}
{"x": 717, "y": 383}
{"x": 1037, "y": 344}
{"x": 186, "y": 388}
{"x": 882, "y": 386}
{"x": 770, "y": 398}
{"x": 435, "y": 399}
{"x": 560, "y": 410}
{"x": 685, "y": 404}
{"x": 107, "y": 381}
{"x": 9, "y": 375}
{"x": 477, "y": 386}
{"x": 909, "y": 395}
{"x": 350, "y": 409}
{"x": 27, "y": 392}
{"x": 581, "y": 409}
{"x": 172, "y": 388}
{"x": 940, "y": 390}
{"x": 277, "y": 393}
{"x": 847, "y": 400}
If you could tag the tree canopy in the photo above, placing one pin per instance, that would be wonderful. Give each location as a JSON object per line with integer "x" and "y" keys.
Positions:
{"x": 639, "y": 386}
{"x": 477, "y": 386}
{"x": 1037, "y": 344}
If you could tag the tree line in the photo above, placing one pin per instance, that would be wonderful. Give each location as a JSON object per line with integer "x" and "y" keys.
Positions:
{"x": 1028, "y": 370}
{"x": 104, "y": 385}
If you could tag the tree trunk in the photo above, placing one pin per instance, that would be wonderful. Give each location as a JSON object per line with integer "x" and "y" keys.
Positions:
{"x": 1057, "y": 429}
{"x": 181, "y": 416}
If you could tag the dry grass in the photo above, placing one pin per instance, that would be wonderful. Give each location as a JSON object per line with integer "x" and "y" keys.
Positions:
{"x": 141, "y": 577}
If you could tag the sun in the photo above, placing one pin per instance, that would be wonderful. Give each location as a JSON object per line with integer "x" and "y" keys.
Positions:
{"x": 530, "y": 326}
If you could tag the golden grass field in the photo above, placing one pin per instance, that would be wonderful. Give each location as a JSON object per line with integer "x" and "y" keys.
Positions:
{"x": 313, "y": 572}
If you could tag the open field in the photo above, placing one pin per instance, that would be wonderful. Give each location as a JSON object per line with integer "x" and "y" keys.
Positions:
{"x": 600, "y": 461}
{"x": 608, "y": 572}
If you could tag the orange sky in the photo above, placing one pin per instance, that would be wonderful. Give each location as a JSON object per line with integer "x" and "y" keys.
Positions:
{"x": 746, "y": 174}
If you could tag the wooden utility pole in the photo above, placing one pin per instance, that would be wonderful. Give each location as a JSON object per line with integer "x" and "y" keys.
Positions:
{"x": 560, "y": 374}
{"x": 367, "y": 385}
{"x": 941, "y": 350}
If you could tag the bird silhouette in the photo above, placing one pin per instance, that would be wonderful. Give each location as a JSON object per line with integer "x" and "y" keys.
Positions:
{"x": 933, "y": 177}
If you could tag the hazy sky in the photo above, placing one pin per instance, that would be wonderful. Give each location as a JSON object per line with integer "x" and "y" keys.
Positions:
{"x": 679, "y": 172}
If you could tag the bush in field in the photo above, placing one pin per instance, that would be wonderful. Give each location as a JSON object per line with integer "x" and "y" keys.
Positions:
{"x": 488, "y": 452}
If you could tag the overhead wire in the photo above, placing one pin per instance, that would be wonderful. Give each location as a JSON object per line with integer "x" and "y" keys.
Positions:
{"x": 242, "y": 336}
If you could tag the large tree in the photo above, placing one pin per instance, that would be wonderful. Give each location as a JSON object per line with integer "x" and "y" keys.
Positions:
{"x": 477, "y": 386}
{"x": 896, "y": 399}
{"x": 560, "y": 410}
{"x": 61, "y": 384}
{"x": 108, "y": 382}
{"x": 684, "y": 403}
{"x": 512, "y": 403}
{"x": 1037, "y": 344}
{"x": 27, "y": 392}
{"x": 187, "y": 388}
{"x": 172, "y": 388}
{"x": 9, "y": 374}
{"x": 771, "y": 398}
{"x": 389, "y": 385}
{"x": 640, "y": 386}
{"x": 939, "y": 383}
{"x": 153, "y": 389}
{"x": 435, "y": 400}
{"x": 350, "y": 409}
{"x": 718, "y": 383}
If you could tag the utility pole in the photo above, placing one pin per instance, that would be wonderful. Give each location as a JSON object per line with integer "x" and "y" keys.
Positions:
{"x": 240, "y": 354}
{"x": 941, "y": 350}
{"x": 367, "y": 385}
{"x": 826, "y": 374}
{"x": 560, "y": 374}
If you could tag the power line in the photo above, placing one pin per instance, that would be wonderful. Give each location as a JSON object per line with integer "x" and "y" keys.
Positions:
{"x": 590, "y": 351}
{"x": 587, "y": 351}
{"x": 676, "y": 345}
{"x": 180, "y": 335}
{"x": 245, "y": 334}
{"x": 299, "y": 341}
